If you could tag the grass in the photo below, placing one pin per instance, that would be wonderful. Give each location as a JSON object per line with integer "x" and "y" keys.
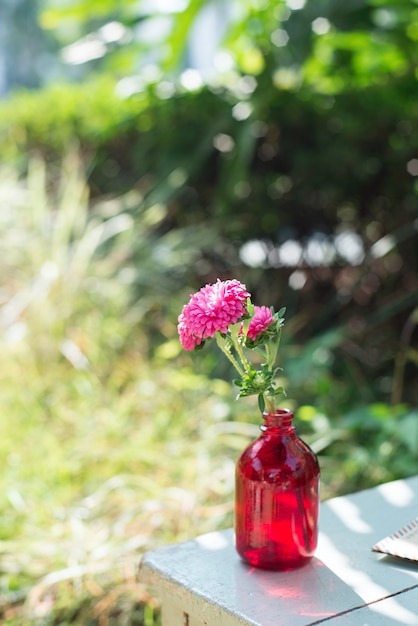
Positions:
{"x": 113, "y": 444}
{"x": 105, "y": 454}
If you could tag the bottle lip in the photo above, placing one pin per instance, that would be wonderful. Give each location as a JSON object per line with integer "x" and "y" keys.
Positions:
{"x": 280, "y": 412}
{"x": 281, "y": 419}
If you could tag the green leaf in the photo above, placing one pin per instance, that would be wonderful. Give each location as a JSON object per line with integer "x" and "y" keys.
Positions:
{"x": 261, "y": 402}
{"x": 178, "y": 38}
{"x": 408, "y": 431}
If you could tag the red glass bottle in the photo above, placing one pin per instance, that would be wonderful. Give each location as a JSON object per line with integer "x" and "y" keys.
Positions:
{"x": 277, "y": 497}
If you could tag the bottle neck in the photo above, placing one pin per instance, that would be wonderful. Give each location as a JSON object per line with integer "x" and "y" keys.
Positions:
{"x": 279, "y": 421}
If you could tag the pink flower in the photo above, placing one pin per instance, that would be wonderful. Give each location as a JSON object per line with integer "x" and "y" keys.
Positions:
{"x": 260, "y": 322}
{"x": 187, "y": 340}
{"x": 211, "y": 309}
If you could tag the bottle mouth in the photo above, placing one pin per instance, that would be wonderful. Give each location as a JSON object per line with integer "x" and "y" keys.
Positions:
{"x": 281, "y": 419}
{"x": 281, "y": 412}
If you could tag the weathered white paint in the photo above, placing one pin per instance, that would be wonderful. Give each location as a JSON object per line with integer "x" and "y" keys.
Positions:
{"x": 203, "y": 582}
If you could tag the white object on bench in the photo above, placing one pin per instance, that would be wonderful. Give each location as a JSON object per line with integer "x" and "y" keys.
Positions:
{"x": 203, "y": 582}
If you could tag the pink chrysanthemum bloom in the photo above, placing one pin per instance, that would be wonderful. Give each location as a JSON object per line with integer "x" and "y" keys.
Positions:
{"x": 187, "y": 340}
{"x": 212, "y": 309}
{"x": 260, "y": 322}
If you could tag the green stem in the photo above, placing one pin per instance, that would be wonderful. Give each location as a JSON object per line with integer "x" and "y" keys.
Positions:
{"x": 273, "y": 355}
{"x": 270, "y": 404}
{"x": 228, "y": 354}
{"x": 242, "y": 356}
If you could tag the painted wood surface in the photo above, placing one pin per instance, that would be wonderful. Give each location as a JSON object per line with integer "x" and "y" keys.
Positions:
{"x": 400, "y": 609}
{"x": 203, "y": 582}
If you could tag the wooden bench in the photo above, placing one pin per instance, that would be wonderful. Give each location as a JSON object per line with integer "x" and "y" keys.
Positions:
{"x": 203, "y": 582}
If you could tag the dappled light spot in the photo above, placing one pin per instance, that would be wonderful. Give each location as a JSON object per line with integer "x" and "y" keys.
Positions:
{"x": 286, "y": 78}
{"x": 349, "y": 514}
{"x": 114, "y": 31}
{"x": 84, "y": 50}
{"x": 212, "y": 541}
{"x": 319, "y": 250}
{"x": 223, "y": 61}
{"x": 364, "y": 586}
{"x": 176, "y": 179}
{"x": 247, "y": 85}
{"x": 253, "y": 253}
{"x": 382, "y": 246}
{"x": 154, "y": 29}
{"x": 95, "y": 45}
{"x": 290, "y": 253}
{"x": 297, "y": 280}
{"x": 163, "y": 6}
{"x": 165, "y": 89}
{"x": 321, "y": 25}
{"x": 350, "y": 247}
{"x": 242, "y": 111}
{"x": 295, "y": 5}
{"x": 393, "y": 610}
{"x": 191, "y": 80}
{"x": 385, "y": 18}
{"x": 412, "y": 167}
{"x": 74, "y": 355}
{"x": 279, "y": 37}
{"x": 357, "y": 580}
{"x": 223, "y": 142}
{"x": 400, "y": 497}
{"x": 281, "y": 185}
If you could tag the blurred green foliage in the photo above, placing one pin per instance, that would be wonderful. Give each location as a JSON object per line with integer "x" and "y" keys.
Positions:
{"x": 293, "y": 168}
{"x": 309, "y": 171}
